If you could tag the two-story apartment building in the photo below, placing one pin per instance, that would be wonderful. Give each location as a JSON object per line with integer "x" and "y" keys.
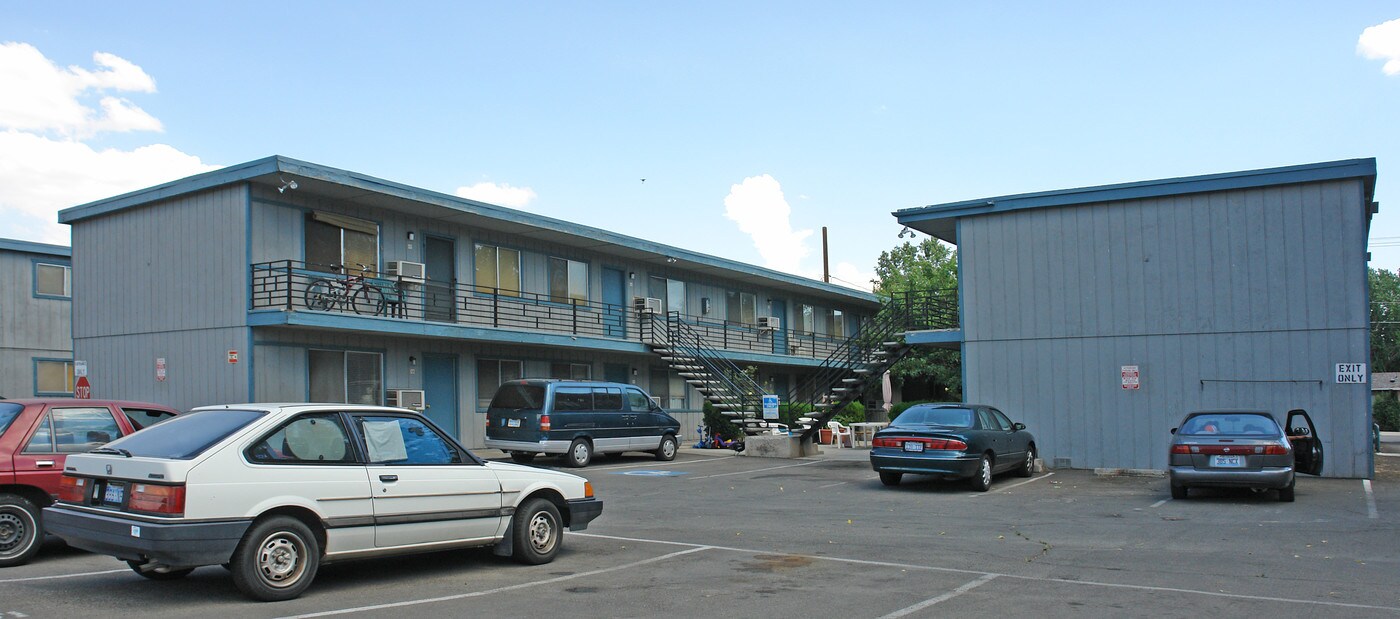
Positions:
{"x": 280, "y": 280}
{"x": 36, "y": 343}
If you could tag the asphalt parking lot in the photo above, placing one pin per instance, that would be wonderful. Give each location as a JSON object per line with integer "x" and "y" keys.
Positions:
{"x": 711, "y": 535}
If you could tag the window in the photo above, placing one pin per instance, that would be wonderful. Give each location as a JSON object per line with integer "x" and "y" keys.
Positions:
{"x": 342, "y": 241}
{"x": 53, "y": 377}
{"x": 668, "y": 388}
{"x": 638, "y": 401}
{"x": 571, "y": 371}
{"x": 401, "y": 440}
{"x": 497, "y": 270}
{"x": 188, "y": 435}
{"x": 53, "y": 280}
{"x": 809, "y": 319}
{"x": 307, "y": 439}
{"x": 141, "y": 418}
{"x": 741, "y": 307}
{"x": 343, "y": 376}
{"x": 1002, "y": 420}
{"x": 607, "y": 399}
{"x": 73, "y": 430}
{"x": 836, "y": 323}
{"x": 568, "y": 280}
{"x": 491, "y": 374}
{"x": 573, "y": 399}
{"x": 670, "y": 291}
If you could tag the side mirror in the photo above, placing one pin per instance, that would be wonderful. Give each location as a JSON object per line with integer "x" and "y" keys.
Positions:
{"x": 1018, "y": 426}
{"x": 1173, "y": 430}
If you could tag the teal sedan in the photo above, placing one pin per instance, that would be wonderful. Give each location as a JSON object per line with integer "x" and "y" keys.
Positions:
{"x": 953, "y": 441}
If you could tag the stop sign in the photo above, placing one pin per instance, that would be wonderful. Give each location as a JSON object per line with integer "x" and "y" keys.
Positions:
{"x": 82, "y": 390}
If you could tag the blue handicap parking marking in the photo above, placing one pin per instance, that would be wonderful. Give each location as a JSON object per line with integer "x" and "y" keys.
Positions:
{"x": 651, "y": 473}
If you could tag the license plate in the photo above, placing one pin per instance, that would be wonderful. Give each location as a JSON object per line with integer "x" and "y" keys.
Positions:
{"x": 114, "y": 494}
{"x": 512, "y": 423}
{"x": 1227, "y": 461}
{"x": 913, "y": 446}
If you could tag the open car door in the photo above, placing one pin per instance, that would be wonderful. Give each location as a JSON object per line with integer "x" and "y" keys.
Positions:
{"x": 1307, "y": 446}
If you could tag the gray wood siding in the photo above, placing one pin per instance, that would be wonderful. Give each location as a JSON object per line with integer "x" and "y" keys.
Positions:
{"x": 30, "y": 327}
{"x": 197, "y": 369}
{"x": 1197, "y": 290}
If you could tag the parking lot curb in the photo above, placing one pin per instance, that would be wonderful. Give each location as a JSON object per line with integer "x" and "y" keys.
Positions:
{"x": 1129, "y": 473}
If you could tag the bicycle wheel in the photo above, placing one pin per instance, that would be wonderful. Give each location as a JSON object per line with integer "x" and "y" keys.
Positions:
{"x": 368, "y": 300}
{"x": 321, "y": 295}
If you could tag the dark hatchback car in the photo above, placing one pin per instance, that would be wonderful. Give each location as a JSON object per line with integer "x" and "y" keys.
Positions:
{"x": 36, "y": 437}
{"x": 953, "y": 441}
{"x": 1243, "y": 449}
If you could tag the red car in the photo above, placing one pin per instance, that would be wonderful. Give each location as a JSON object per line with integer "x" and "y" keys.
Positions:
{"x": 36, "y": 437}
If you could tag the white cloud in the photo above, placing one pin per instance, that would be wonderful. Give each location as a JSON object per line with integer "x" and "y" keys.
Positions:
{"x": 45, "y": 115}
{"x": 502, "y": 194}
{"x": 758, "y": 206}
{"x": 1382, "y": 42}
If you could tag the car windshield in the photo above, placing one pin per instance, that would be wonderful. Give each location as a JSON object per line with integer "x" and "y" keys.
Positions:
{"x": 185, "y": 436}
{"x": 8, "y": 412}
{"x": 947, "y": 417}
{"x": 1234, "y": 424}
{"x": 519, "y": 395}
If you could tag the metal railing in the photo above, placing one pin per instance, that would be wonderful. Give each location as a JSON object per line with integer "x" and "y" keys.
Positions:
{"x": 719, "y": 376}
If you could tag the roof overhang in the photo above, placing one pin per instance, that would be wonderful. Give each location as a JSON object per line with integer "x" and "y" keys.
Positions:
{"x": 30, "y": 247}
{"x": 940, "y": 220}
{"x": 336, "y": 184}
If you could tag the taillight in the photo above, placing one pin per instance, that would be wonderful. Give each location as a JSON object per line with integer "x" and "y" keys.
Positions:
{"x": 544, "y": 423}
{"x": 944, "y": 444}
{"x": 156, "y": 499}
{"x": 885, "y": 442}
{"x": 1184, "y": 450}
{"x": 1275, "y": 450}
{"x": 1231, "y": 450}
{"x": 73, "y": 489}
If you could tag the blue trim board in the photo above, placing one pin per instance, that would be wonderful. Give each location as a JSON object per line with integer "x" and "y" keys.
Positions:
{"x": 923, "y": 217}
{"x": 309, "y": 175}
{"x": 30, "y": 247}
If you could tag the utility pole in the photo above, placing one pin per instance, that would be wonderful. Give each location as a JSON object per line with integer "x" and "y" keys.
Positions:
{"x": 826, "y": 267}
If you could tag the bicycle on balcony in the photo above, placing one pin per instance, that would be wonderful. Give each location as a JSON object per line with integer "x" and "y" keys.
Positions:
{"x": 356, "y": 293}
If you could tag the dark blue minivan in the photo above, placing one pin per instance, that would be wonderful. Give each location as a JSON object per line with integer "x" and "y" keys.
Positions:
{"x": 577, "y": 419}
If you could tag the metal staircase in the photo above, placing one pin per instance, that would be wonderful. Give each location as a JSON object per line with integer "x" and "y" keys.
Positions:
{"x": 845, "y": 376}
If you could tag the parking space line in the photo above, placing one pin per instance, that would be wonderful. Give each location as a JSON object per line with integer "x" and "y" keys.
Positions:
{"x": 1158, "y": 503}
{"x": 653, "y": 465}
{"x": 942, "y": 598}
{"x": 523, "y": 585}
{"x": 1370, "y": 500}
{"x": 832, "y": 485}
{"x": 1019, "y": 483}
{"x": 771, "y": 468}
{"x": 57, "y": 576}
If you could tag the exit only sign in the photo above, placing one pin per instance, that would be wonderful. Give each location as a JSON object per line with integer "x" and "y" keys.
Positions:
{"x": 1351, "y": 374}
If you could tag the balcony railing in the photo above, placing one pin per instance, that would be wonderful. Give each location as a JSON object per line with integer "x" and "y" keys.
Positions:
{"x": 292, "y": 285}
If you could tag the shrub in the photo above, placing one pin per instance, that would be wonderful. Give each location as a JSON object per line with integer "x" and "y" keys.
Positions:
{"x": 717, "y": 423}
{"x": 853, "y": 413}
{"x": 1386, "y": 411}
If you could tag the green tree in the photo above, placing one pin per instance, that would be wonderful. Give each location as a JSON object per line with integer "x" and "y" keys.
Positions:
{"x": 1385, "y": 320}
{"x": 929, "y": 265}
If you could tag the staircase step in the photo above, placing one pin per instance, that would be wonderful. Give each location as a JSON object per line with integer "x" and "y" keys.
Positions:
{"x": 850, "y": 380}
{"x": 863, "y": 371}
{"x": 891, "y": 344}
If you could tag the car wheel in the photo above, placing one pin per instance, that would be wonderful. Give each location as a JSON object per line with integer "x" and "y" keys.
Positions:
{"x": 1179, "y": 492}
{"x": 20, "y": 530}
{"x": 580, "y": 453}
{"x": 159, "y": 574}
{"x": 890, "y": 479}
{"x": 667, "y": 451}
{"x": 982, "y": 481}
{"x": 1285, "y": 494}
{"x": 537, "y": 532}
{"x": 1028, "y": 469}
{"x": 522, "y": 457}
{"x": 276, "y": 560}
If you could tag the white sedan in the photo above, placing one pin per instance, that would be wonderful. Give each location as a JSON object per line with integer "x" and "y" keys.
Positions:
{"x": 272, "y": 491}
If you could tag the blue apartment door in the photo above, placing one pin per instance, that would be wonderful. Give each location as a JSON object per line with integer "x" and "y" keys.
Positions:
{"x": 780, "y": 336}
{"x": 615, "y": 296}
{"x": 440, "y": 391}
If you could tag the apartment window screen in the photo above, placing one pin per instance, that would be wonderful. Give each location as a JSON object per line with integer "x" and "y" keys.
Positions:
{"x": 497, "y": 270}
{"x": 571, "y": 371}
{"x": 53, "y": 280}
{"x": 490, "y": 373}
{"x": 568, "y": 280}
{"x": 344, "y": 376}
{"x": 809, "y": 319}
{"x": 741, "y": 307}
{"x": 53, "y": 377}
{"x": 339, "y": 240}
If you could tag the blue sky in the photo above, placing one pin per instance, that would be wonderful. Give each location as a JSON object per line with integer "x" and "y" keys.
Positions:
{"x": 754, "y": 124}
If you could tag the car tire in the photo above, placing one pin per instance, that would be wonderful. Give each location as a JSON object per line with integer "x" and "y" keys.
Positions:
{"x": 890, "y": 479}
{"x": 522, "y": 457}
{"x": 982, "y": 480}
{"x": 537, "y": 531}
{"x": 159, "y": 574}
{"x": 1028, "y": 469}
{"x": 21, "y": 530}
{"x": 667, "y": 451}
{"x": 1285, "y": 494}
{"x": 276, "y": 560}
{"x": 580, "y": 453}
{"x": 1179, "y": 493}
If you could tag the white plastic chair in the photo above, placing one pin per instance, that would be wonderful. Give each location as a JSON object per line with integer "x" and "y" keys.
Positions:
{"x": 837, "y": 432}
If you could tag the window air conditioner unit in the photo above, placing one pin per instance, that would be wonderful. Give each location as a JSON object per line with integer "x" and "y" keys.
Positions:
{"x": 408, "y": 271}
{"x": 769, "y": 322}
{"x": 406, "y": 398}
{"x": 647, "y": 305}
